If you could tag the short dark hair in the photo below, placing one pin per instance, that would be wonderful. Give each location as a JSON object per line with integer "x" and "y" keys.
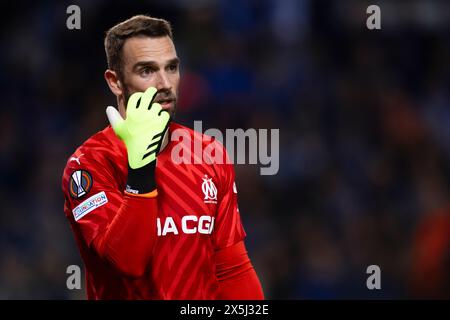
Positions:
{"x": 135, "y": 26}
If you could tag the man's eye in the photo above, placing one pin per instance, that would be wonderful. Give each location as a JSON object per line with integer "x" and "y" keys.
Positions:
{"x": 173, "y": 67}
{"x": 146, "y": 71}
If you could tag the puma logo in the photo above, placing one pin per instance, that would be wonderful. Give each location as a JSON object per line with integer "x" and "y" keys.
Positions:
{"x": 76, "y": 159}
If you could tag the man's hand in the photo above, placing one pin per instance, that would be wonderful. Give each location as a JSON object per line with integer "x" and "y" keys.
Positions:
{"x": 142, "y": 132}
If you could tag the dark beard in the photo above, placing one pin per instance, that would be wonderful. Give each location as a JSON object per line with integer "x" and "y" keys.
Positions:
{"x": 126, "y": 96}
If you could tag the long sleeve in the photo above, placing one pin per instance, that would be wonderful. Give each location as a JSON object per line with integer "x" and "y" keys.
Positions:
{"x": 128, "y": 241}
{"x": 236, "y": 275}
{"x": 118, "y": 227}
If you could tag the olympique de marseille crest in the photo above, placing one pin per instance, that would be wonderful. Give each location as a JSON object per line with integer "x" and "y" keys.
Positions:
{"x": 209, "y": 190}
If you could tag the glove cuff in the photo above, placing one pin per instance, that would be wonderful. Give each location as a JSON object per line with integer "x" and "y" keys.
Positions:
{"x": 141, "y": 180}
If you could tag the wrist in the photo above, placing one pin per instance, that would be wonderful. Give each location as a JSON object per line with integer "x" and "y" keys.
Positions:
{"x": 141, "y": 180}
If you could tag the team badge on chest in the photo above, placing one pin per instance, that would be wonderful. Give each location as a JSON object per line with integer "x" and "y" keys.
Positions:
{"x": 209, "y": 190}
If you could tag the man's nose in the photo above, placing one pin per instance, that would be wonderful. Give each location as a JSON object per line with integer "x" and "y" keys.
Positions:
{"x": 162, "y": 81}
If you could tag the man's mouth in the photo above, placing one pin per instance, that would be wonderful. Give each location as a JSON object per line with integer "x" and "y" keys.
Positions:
{"x": 166, "y": 103}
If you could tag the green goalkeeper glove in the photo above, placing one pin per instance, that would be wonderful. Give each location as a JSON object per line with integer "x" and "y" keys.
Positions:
{"x": 142, "y": 132}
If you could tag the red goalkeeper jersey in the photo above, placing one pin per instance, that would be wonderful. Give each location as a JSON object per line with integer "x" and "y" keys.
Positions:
{"x": 197, "y": 215}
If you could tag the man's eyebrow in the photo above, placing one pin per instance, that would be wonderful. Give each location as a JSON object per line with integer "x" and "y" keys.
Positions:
{"x": 174, "y": 61}
{"x": 153, "y": 64}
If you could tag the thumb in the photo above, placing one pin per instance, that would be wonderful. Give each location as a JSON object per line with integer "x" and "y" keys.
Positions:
{"x": 115, "y": 119}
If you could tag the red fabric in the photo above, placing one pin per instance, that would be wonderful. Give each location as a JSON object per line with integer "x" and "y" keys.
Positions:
{"x": 430, "y": 256}
{"x": 197, "y": 215}
{"x": 236, "y": 275}
{"x": 128, "y": 241}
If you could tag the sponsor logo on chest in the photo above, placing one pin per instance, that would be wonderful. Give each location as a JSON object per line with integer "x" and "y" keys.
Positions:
{"x": 189, "y": 224}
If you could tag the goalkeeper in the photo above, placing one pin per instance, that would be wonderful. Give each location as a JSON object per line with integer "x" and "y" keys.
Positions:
{"x": 147, "y": 227}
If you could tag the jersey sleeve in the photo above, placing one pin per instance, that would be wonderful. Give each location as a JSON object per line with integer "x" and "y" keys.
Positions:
{"x": 228, "y": 225}
{"x": 91, "y": 192}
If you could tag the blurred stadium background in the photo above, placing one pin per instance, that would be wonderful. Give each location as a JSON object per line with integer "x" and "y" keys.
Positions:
{"x": 364, "y": 120}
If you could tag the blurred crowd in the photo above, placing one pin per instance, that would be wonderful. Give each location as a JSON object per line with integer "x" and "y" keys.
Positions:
{"x": 364, "y": 136}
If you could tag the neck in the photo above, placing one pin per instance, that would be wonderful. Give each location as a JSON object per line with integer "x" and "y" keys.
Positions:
{"x": 165, "y": 141}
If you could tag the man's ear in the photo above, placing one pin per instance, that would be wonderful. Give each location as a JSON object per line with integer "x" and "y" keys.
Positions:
{"x": 113, "y": 82}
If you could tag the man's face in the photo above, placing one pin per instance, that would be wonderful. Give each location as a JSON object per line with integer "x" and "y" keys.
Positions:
{"x": 151, "y": 62}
